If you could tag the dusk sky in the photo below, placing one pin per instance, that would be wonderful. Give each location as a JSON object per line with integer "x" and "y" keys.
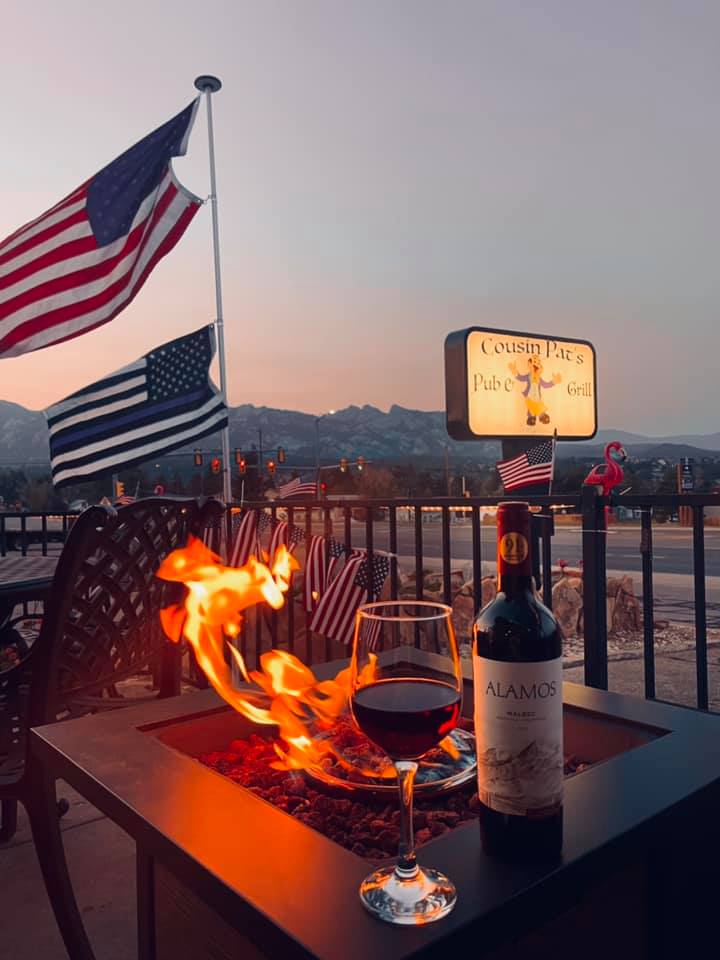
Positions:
{"x": 389, "y": 172}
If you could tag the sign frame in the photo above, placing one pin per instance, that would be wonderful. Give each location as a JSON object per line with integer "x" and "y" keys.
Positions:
{"x": 457, "y": 410}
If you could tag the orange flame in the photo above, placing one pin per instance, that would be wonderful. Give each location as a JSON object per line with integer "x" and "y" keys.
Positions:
{"x": 289, "y": 696}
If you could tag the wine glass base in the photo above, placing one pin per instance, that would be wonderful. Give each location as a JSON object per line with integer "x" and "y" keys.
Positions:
{"x": 427, "y": 897}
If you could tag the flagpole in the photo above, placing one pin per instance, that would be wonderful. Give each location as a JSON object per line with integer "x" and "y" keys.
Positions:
{"x": 208, "y": 85}
{"x": 552, "y": 475}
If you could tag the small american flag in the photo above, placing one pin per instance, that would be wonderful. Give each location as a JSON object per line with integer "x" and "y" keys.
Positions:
{"x": 322, "y": 557}
{"x": 298, "y": 487}
{"x": 80, "y": 263}
{"x": 286, "y": 535}
{"x": 244, "y": 537}
{"x": 315, "y": 572}
{"x": 335, "y": 613}
{"x": 533, "y": 466}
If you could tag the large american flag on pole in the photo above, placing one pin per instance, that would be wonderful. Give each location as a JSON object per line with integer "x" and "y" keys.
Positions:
{"x": 533, "y": 466}
{"x": 161, "y": 402}
{"x": 77, "y": 265}
{"x": 334, "y": 616}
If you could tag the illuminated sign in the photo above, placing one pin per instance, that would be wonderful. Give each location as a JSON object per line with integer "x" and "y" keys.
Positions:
{"x": 507, "y": 385}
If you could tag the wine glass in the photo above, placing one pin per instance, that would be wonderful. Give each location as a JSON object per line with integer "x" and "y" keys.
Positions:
{"x": 406, "y": 700}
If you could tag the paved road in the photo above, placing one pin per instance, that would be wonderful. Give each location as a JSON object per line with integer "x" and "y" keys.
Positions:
{"x": 672, "y": 545}
{"x": 672, "y": 558}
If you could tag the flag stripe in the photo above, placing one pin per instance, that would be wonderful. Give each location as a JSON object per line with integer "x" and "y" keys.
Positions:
{"x": 88, "y": 395}
{"x": 96, "y": 290}
{"x": 70, "y": 321}
{"x": 118, "y": 401}
{"x": 47, "y": 229}
{"x": 175, "y": 439}
{"x": 245, "y": 540}
{"x": 110, "y": 423}
{"x": 125, "y": 440}
{"x": 78, "y": 242}
{"x": 82, "y": 261}
{"x": 27, "y": 230}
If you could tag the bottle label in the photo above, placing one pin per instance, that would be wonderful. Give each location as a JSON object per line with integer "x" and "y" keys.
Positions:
{"x": 519, "y": 736}
{"x": 513, "y": 548}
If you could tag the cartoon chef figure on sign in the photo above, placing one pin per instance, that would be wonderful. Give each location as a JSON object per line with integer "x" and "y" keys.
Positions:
{"x": 533, "y": 392}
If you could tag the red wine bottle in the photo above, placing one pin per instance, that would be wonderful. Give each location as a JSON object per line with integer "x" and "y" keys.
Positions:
{"x": 517, "y": 676}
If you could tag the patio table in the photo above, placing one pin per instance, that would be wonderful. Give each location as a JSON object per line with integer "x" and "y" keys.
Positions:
{"x": 22, "y": 579}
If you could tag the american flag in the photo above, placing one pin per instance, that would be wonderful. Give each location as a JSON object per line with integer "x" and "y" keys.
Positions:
{"x": 244, "y": 534}
{"x": 322, "y": 556}
{"x": 284, "y": 534}
{"x": 77, "y": 265}
{"x": 161, "y": 402}
{"x": 298, "y": 487}
{"x": 533, "y": 466}
{"x": 334, "y": 616}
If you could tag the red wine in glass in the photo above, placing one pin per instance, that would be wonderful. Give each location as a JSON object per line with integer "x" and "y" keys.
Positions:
{"x": 406, "y": 716}
{"x": 406, "y": 701}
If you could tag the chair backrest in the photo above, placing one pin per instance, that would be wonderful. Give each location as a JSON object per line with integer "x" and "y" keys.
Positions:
{"x": 101, "y": 622}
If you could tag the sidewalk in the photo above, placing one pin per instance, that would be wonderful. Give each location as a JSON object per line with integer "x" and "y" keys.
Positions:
{"x": 102, "y": 864}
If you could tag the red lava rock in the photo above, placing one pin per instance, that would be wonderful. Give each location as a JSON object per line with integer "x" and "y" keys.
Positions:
{"x": 369, "y": 829}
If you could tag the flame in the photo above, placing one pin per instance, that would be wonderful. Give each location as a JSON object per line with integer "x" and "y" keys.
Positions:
{"x": 289, "y": 694}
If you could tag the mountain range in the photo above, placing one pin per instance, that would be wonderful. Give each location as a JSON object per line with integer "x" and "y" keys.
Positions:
{"x": 398, "y": 434}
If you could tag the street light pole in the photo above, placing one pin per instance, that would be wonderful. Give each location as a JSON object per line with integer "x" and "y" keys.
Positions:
{"x": 317, "y": 443}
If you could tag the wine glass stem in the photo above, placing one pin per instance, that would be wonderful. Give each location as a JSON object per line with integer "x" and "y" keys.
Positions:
{"x": 407, "y": 868}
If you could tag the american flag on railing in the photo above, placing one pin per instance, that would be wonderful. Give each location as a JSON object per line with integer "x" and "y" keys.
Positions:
{"x": 298, "y": 487}
{"x": 321, "y": 559}
{"x": 335, "y": 613}
{"x": 286, "y": 535}
{"x": 244, "y": 537}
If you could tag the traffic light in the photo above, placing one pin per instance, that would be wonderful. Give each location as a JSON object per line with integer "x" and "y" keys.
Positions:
{"x": 361, "y": 464}
{"x": 281, "y": 455}
{"x": 343, "y": 464}
{"x": 323, "y": 488}
{"x": 197, "y": 454}
{"x": 216, "y": 465}
{"x": 242, "y": 466}
{"x": 119, "y": 489}
{"x": 271, "y": 467}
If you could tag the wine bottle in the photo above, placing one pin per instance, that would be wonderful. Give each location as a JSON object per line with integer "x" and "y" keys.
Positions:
{"x": 517, "y": 677}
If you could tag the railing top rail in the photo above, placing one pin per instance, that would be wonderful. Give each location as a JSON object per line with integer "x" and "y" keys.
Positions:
{"x": 558, "y": 500}
{"x": 665, "y": 500}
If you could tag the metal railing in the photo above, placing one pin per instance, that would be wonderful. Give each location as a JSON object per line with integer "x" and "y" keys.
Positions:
{"x": 422, "y": 534}
{"x": 398, "y": 528}
{"x": 34, "y": 531}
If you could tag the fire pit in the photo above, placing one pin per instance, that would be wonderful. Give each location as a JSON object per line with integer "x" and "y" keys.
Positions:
{"x": 220, "y": 869}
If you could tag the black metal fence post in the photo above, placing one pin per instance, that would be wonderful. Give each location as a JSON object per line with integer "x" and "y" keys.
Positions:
{"x": 594, "y": 537}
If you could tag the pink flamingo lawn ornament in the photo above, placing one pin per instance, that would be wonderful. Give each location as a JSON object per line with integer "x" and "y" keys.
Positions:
{"x": 610, "y": 474}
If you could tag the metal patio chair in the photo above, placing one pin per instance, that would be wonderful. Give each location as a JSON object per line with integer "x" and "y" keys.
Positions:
{"x": 100, "y": 626}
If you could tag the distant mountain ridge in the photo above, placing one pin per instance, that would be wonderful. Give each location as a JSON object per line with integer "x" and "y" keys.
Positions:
{"x": 399, "y": 433}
